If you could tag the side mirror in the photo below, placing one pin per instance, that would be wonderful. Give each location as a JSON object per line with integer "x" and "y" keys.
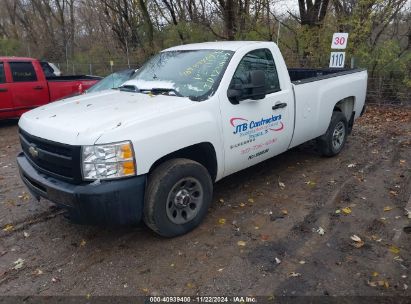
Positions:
{"x": 257, "y": 86}
{"x": 254, "y": 89}
{"x": 234, "y": 95}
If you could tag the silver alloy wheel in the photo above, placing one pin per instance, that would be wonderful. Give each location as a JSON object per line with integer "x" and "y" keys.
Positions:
{"x": 338, "y": 136}
{"x": 184, "y": 200}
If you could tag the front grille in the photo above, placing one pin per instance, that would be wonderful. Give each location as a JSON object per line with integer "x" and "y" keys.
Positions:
{"x": 55, "y": 159}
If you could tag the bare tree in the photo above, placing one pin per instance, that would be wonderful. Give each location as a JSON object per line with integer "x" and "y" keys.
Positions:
{"x": 312, "y": 13}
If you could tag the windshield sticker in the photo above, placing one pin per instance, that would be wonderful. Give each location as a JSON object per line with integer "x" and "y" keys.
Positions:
{"x": 207, "y": 69}
{"x": 255, "y": 128}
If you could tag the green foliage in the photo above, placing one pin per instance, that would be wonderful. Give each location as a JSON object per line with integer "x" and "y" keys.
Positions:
{"x": 9, "y": 47}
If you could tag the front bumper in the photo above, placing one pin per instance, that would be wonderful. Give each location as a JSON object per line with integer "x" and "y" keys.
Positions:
{"x": 117, "y": 202}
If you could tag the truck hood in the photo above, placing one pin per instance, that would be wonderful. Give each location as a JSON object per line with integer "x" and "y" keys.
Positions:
{"x": 82, "y": 120}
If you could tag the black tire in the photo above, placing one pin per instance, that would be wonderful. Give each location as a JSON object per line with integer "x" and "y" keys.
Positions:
{"x": 162, "y": 184}
{"x": 338, "y": 124}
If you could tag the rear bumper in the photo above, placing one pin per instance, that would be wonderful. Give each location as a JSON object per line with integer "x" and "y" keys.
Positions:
{"x": 117, "y": 202}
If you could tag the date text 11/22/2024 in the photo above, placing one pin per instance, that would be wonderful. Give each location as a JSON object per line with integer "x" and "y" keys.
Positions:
{"x": 203, "y": 299}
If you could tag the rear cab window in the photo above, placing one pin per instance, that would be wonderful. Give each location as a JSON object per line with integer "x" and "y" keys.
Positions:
{"x": 2, "y": 75}
{"x": 23, "y": 71}
{"x": 48, "y": 71}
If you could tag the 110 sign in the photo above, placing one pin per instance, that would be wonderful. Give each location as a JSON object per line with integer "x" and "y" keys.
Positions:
{"x": 337, "y": 59}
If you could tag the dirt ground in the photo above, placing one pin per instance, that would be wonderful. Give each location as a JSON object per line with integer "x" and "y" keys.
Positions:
{"x": 283, "y": 227}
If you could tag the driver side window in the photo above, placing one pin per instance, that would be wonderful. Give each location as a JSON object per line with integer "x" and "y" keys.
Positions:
{"x": 262, "y": 60}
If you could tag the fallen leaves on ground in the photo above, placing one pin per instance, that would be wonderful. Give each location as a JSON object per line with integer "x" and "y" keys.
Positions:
{"x": 83, "y": 243}
{"x": 18, "y": 264}
{"x": 394, "y": 249}
{"x": 251, "y": 200}
{"x": 358, "y": 243}
{"x": 221, "y": 221}
{"x": 37, "y": 272}
{"x": 310, "y": 183}
{"x": 376, "y": 238}
{"x": 381, "y": 283}
{"x": 8, "y": 228}
{"x": 320, "y": 230}
{"x": 264, "y": 237}
{"x": 393, "y": 193}
{"x": 346, "y": 210}
{"x": 387, "y": 208}
{"x": 241, "y": 243}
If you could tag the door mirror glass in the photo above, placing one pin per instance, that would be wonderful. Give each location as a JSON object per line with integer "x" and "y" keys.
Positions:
{"x": 257, "y": 83}
{"x": 252, "y": 87}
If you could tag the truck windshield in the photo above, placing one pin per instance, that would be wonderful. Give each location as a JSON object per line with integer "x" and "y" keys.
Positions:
{"x": 112, "y": 81}
{"x": 194, "y": 73}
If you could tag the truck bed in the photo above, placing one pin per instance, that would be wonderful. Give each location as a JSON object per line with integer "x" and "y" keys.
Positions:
{"x": 315, "y": 98}
{"x": 301, "y": 75}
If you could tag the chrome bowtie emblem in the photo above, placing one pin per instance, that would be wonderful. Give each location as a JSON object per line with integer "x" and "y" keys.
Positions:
{"x": 33, "y": 151}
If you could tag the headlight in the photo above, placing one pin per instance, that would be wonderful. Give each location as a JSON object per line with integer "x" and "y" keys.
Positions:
{"x": 108, "y": 161}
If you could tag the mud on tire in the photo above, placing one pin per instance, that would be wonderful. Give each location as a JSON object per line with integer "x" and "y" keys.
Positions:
{"x": 333, "y": 141}
{"x": 177, "y": 198}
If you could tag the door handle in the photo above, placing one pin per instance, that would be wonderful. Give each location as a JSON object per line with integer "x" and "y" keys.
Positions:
{"x": 3, "y": 90}
{"x": 38, "y": 88}
{"x": 279, "y": 106}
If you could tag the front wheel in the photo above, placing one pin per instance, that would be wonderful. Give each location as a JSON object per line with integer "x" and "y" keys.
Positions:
{"x": 333, "y": 141}
{"x": 177, "y": 198}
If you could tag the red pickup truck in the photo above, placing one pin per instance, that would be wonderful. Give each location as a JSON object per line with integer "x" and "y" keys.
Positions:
{"x": 24, "y": 86}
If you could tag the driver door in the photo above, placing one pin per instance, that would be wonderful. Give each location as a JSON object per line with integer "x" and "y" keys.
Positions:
{"x": 255, "y": 130}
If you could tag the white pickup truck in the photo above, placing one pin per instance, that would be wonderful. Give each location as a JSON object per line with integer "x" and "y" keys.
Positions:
{"x": 191, "y": 115}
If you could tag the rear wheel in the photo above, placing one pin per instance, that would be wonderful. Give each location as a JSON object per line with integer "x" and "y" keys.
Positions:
{"x": 178, "y": 195}
{"x": 333, "y": 141}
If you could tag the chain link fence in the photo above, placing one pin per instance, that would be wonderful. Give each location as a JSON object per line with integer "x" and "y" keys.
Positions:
{"x": 386, "y": 88}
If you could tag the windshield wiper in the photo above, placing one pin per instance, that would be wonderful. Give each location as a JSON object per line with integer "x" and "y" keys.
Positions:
{"x": 129, "y": 88}
{"x": 157, "y": 91}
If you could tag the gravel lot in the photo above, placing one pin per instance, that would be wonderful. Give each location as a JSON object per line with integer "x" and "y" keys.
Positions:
{"x": 259, "y": 237}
